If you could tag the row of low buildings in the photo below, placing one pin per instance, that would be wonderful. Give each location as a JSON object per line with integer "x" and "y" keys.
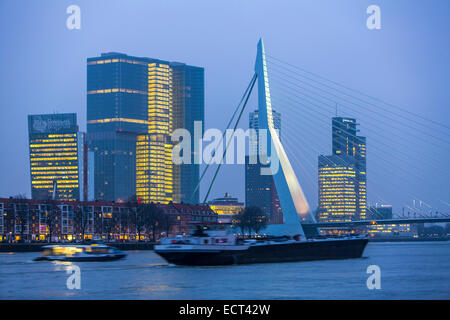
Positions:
{"x": 62, "y": 220}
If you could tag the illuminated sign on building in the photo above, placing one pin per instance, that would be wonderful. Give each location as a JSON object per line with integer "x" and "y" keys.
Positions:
{"x": 52, "y": 123}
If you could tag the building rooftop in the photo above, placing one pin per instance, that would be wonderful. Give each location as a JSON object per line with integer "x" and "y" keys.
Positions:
{"x": 226, "y": 200}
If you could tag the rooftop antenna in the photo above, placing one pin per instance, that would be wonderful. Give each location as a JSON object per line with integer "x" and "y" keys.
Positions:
{"x": 336, "y": 109}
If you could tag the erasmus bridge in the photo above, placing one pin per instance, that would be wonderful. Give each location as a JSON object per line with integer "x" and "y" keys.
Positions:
{"x": 312, "y": 100}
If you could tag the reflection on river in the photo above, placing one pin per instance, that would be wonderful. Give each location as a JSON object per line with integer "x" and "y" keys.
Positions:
{"x": 414, "y": 270}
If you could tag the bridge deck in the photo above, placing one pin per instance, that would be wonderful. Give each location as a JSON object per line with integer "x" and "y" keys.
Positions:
{"x": 374, "y": 222}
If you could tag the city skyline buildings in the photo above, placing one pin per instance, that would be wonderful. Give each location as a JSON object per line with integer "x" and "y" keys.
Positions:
{"x": 133, "y": 106}
{"x": 342, "y": 189}
{"x": 54, "y": 74}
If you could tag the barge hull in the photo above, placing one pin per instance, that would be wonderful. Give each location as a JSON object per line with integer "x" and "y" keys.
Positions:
{"x": 288, "y": 252}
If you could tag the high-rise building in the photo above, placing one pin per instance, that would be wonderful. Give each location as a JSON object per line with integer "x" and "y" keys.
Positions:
{"x": 337, "y": 188}
{"x": 117, "y": 111}
{"x": 260, "y": 190}
{"x": 58, "y": 155}
{"x": 346, "y": 141}
{"x": 188, "y": 108}
{"x": 131, "y": 113}
{"x": 154, "y": 167}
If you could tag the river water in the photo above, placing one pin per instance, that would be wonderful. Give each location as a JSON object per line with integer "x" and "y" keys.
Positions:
{"x": 409, "y": 270}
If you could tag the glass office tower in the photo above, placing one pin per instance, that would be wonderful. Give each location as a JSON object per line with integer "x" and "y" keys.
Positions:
{"x": 342, "y": 176}
{"x": 117, "y": 111}
{"x": 189, "y": 107}
{"x": 347, "y": 142}
{"x": 57, "y": 156}
{"x": 337, "y": 189}
{"x": 130, "y": 102}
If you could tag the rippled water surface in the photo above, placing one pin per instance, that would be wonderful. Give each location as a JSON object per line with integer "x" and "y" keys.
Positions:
{"x": 408, "y": 271}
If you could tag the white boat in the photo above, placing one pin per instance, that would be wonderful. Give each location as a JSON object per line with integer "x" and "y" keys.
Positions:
{"x": 80, "y": 253}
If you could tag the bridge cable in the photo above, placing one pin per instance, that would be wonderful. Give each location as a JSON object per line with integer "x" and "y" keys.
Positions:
{"x": 252, "y": 83}
{"x": 376, "y": 147}
{"x": 368, "y": 128}
{"x": 360, "y": 93}
{"x": 314, "y": 167}
{"x": 413, "y": 196}
{"x": 223, "y": 136}
{"x": 350, "y": 102}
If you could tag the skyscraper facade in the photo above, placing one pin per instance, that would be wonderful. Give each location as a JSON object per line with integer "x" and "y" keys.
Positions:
{"x": 57, "y": 156}
{"x": 117, "y": 111}
{"x": 342, "y": 176}
{"x": 260, "y": 190}
{"x": 189, "y": 108}
{"x": 337, "y": 188}
{"x": 346, "y": 141}
{"x": 154, "y": 168}
{"x": 130, "y": 102}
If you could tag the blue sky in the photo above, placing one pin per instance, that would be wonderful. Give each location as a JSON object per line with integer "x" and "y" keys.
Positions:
{"x": 405, "y": 63}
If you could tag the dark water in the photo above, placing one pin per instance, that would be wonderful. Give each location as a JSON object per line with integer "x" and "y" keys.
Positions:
{"x": 408, "y": 271}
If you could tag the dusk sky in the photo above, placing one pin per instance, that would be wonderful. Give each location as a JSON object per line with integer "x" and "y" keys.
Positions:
{"x": 405, "y": 63}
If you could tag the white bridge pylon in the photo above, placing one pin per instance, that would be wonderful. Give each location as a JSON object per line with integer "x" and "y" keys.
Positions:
{"x": 292, "y": 199}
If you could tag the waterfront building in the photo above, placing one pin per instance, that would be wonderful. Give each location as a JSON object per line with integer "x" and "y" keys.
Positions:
{"x": 260, "y": 190}
{"x": 342, "y": 176}
{"x": 226, "y": 208}
{"x": 59, "y": 159}
{"x": 387, "y": 230}
{"x": 346, "y": 141}
{"x": 337, "y": 188}
{"x": 391, "y": 231}
{"x": 62, "y": 220}
{"x": 133, "y": 105}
